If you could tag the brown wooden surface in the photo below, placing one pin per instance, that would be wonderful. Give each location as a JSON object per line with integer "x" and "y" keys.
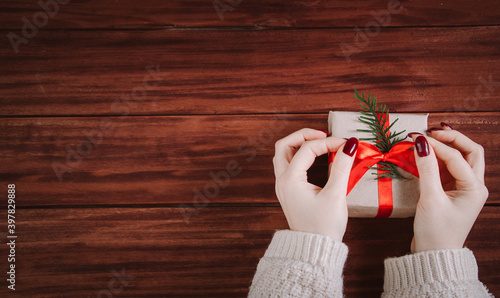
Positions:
{"x": 214, "y": 255}
{"x": 150, "y": 160}
{"x": 228, "y": 89}
{"x": 242, "y": 72}
{"x": 127, "y": 14}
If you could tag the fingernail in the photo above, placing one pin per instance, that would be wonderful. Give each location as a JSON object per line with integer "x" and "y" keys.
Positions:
{"x": 327, "y": 133}
{"x": 411, "y": 134}
{"x": 422, "y": 146}
{"x": 433, "y": 129}
{"x": 351, "y": 146}
{"x": 447, "y": 125}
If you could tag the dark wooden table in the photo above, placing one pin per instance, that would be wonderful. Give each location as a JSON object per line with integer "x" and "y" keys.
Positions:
{"x": 139, "y": 135}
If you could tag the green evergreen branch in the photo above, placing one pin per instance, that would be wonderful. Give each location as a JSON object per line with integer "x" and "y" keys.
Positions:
{"x": 376, "y": 118}
{"x": 391, "y": 171}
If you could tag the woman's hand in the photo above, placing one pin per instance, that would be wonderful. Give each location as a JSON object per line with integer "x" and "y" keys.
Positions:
{"x": 445, "y": 216}
{"x": 307, "y": 207}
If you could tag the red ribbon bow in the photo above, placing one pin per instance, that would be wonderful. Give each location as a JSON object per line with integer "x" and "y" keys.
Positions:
{"x": 368, "y": 155}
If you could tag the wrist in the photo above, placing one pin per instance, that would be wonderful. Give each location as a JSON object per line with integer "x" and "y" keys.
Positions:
{"x": 423, "y": 246}
{"x": 332, "y": 235}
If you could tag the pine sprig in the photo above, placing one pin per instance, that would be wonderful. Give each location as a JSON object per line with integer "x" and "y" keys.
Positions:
{"x": 390, "y": 171}
{"x": 376, "y": 117}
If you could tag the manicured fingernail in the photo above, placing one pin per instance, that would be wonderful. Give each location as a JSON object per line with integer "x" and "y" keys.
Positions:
{"x": 327, "y": 133}
{"x": 446, "y": 125}
{"x": 434, "y": 129}
{"x": 411, "y": 134}
{"x": 422, "y": 146}
{"x": 351, "y": 146}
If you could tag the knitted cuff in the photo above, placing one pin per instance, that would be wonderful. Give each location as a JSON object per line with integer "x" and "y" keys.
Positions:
{"x": 314, "y": 249}
{"x": 429, "y": 267}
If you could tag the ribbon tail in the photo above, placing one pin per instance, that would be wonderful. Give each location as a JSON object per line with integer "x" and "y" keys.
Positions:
{"x": 367, "y": 155}
{"x": 404, "y": 158}
{"x": 385, "y": 199}
{"x": 407, "y": 163}
{"x": 358, "y": 171}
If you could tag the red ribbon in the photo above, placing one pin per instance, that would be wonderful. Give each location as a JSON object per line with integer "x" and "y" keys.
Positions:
{"x": 368, "y": 155}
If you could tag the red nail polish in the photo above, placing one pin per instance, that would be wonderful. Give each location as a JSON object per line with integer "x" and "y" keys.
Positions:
{"x": 447, "y": 125}
{"x": 433, "y": 129}
{"x": 422, "y": 146}
{"x": 351, "y": 146}
{"x": 327, "y": 133}
{"x": 411, "y": 134}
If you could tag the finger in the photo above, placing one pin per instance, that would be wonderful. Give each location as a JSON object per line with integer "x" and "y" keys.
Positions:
{"x": 428, "y": 168}
{"x": 340, "y": 168}
{"x": 473, "y": 152}
{"x": 461, "y": 171}
{"x": 446, "y": 126}
{"x": 308, "y": 152}
{"x": 286, "y": 147}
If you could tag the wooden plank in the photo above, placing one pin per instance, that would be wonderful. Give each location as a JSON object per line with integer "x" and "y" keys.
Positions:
{"x": 167, "y": 160}
{"x": 245, "y": 72}
{"x": 261, "y": 14}
{"x": 72, "y": 252}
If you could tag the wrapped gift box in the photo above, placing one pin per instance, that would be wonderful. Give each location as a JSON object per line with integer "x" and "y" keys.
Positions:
{"x": 363, "y": 200}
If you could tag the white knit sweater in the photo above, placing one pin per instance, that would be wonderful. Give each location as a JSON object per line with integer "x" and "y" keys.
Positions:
{"x": 298, "y": 264}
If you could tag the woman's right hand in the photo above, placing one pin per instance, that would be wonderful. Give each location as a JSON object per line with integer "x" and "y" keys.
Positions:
{"x": 444, "y": 218}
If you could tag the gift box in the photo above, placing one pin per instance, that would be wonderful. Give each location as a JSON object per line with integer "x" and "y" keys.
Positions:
{"x": 395, "y": 198}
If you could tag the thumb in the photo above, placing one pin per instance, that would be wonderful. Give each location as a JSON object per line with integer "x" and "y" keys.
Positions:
{"x": 340, "y": 168}
{"x": 428, "y": 169}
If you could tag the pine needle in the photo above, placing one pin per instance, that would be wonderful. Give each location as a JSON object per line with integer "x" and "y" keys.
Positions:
{"x": 376, "y": 118}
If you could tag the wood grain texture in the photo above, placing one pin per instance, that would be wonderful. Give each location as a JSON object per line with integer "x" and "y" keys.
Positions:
{"x": 178, "y": 192}
{"x": 72, "y": 252}
{"x": 166, "y": 160}
{"x": 130, "y": 14}
{"x": 245, "y": 72}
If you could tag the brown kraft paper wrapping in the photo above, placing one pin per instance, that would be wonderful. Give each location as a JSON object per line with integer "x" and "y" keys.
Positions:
{"x": 362, "y": 201}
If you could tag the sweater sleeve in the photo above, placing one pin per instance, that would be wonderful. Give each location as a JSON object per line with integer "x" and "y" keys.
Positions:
{"x": 298, "y": 264}
{"x": 437, "y": 273}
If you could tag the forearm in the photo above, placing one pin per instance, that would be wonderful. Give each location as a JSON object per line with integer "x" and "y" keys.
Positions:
{"x": 437, "y": 273}
{"x": 298, "y": 264}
